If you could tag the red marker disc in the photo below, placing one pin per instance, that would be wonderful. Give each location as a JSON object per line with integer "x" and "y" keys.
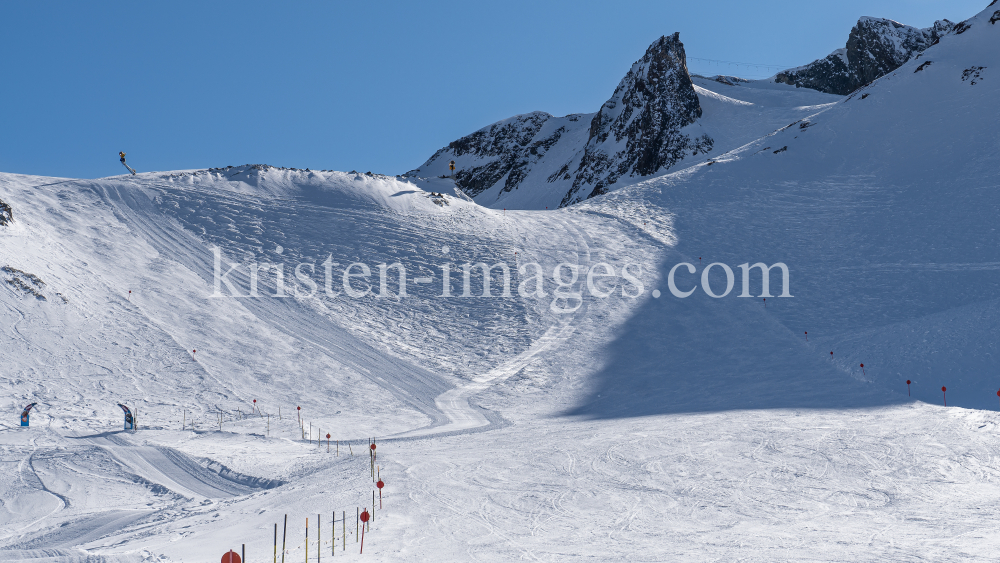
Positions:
{"x": 862, "y": 365}
{"x": 298, "y": 408}
{"x": 327, "y": 436}
{"x": 380, "y": 484}
{"x": 231, "y": 557}
{"x": 908, "y": 382}
{"x": 364, "y": 516}
{"x": 373, "y": 446}
{"x": 944, "y": 388}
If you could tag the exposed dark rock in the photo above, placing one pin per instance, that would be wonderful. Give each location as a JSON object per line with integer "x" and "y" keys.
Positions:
{"x": 995, "y": 17}
{"x": 6, "y": 214}
{"x": 922, "y": 66}
{"x": 646, "y": 113}
{"x": 636, "y": 133}
{"x": 973, "y": 74}
{"x": 508, "y": 147}
{"x": 875, "y": 47}
{"x": 730, "y": 80}
{"x": 23, "y": 281}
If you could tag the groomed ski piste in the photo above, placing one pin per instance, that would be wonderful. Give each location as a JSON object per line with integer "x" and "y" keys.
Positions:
{"x": 626, "y": 424}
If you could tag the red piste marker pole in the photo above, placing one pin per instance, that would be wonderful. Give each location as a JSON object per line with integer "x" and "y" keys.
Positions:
{"x": 130, "y": 295}
{"x": 944, "y": 394}
{"x": 831, "y": 355}
{"x": 327, "y": 443}
{"x": 807, "y": 336}
{"x": 998, "y": 393}
{"x": 863, "y": 370}
{"x": 765, "y": 302}
{"x": 298, "y": 412}
{"x": 908, "y": 389}
{"x": 364, "y": 520}
{"x": 380, "y": 484}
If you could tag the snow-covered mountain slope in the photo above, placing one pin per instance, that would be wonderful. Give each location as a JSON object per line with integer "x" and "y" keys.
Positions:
{"x": 884, "y": 208}
{"x": 75, "y": 236}
{"x": 875, "y": 47}
{"x": 636, "y": 426}
{"x": 658, "y": 118}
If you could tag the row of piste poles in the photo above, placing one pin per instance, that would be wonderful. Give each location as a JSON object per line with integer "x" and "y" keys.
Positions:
{"x": 220, "y": 418}
{"x": 363, "y": 517}
{"x": 944, "y": 389}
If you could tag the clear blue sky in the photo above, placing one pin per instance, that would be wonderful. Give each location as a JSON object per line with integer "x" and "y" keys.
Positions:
{"x": 354, "y": 85}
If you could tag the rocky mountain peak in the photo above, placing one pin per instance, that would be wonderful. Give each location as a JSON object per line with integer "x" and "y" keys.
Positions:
{"x": 637, "y": 131}
{"x": 657, "y": 83}
{"x": 875, "y": 47}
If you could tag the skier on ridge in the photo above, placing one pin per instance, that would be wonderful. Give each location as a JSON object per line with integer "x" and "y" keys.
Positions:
{"x": 122, "y": 155}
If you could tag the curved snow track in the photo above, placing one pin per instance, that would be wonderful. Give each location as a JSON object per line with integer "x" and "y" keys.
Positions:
{"x": 166, "y": 485}
{"x": 444, "y": 399}
{"x": 161, "y": 470}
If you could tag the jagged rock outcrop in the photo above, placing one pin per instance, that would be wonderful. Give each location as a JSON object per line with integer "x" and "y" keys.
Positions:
{"x": 875, "y": 47}
{"x": 638, "y": 132}
{"x": 725, "y": 79}
{"x": 6, "y": 214}
{"x": 507, "y": 149}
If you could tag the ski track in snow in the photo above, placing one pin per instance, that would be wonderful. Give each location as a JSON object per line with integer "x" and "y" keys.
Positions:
{"x": 467, "y": 397}
{"x": 170, "y": 474}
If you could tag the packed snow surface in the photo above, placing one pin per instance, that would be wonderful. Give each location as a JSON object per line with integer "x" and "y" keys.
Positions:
{"x": 594, "y": 416}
